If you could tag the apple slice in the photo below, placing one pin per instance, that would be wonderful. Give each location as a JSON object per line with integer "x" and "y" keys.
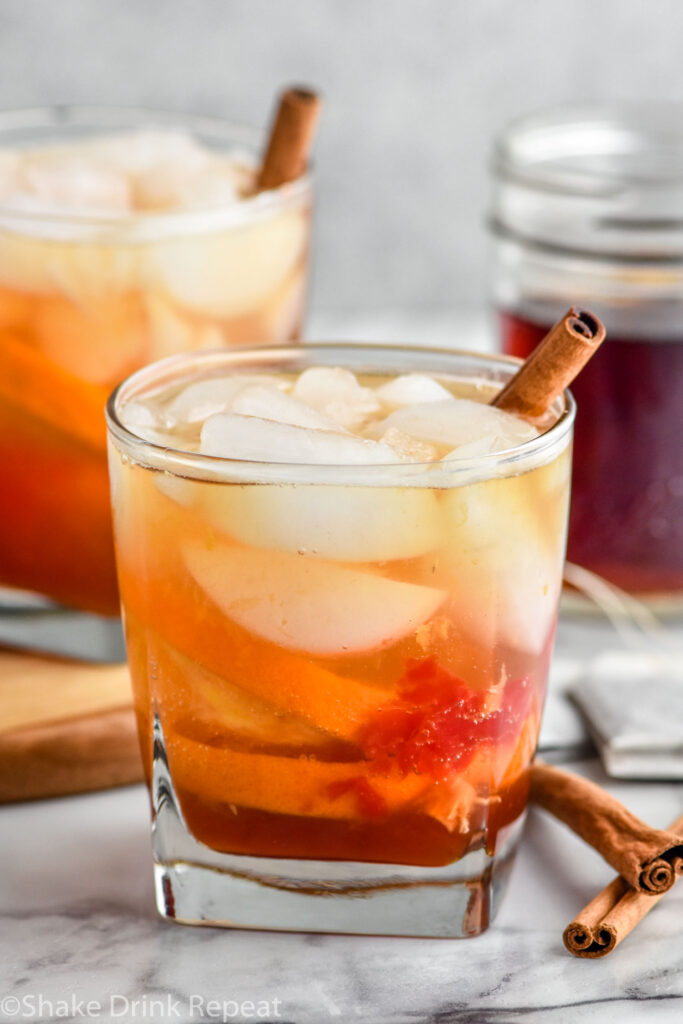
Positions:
{"x": 189, "y": 691}
{"x": 347, "y": 524}
{"x": 306, "y": 604}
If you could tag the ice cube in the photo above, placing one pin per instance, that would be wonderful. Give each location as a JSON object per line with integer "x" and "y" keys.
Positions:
{"x": 204, "y": 398}
{"x": 183, "y": 492}
{"x": 407, "y": 447}
{"x": 457, "y": 421}
{"x": 164, "y": 187}
{"x": 268, "y": 403}
{"x": 141, "y": 421}
{"x": 70, "y": 180}
{"x": 170, "y": 170}
{"x": 308, "y": 604}
{"x": 137, "y": 415}
{"x": 160, "y": 188}
{"x": 410, "y": 389}
{"x": 63, "y": 181}
{"x": 337, "y": 393}
{"x": 215, "y": 185}
{"x": 505, "y": 574}
{"x": 229, "y": 273}
{"x": 348, "y": 524}
{"x": 231, "y": 436}
{"x": 135, "y": 153}
{"x": 475, "y": 449}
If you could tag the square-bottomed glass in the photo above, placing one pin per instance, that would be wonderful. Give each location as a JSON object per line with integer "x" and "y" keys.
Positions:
{"x": 339, "y": 670}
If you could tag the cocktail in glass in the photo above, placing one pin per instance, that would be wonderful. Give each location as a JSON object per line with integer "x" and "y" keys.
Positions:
{"x": 340, "y": 596}
{"x": 125, "y": 236}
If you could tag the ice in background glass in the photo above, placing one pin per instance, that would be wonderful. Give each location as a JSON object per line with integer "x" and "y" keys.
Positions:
{"x": 586, "y": 206}
{"x": 125, "y": 236}
{"x": 339, "y": 627}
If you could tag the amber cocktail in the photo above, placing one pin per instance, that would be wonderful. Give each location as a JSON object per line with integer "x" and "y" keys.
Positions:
{"x": 340, "y": 570}
{"x": 124, "y": 237}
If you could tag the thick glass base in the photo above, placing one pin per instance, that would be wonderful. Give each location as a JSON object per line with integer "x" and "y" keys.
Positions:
{"x": 197, "y": 885}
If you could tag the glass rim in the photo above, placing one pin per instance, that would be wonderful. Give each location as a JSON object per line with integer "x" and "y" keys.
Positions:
{"x": 529, "y": 150}
{"x": 237, "y": 135}
{"x": 183, "y": 463}
{"x": 503, "y": 232}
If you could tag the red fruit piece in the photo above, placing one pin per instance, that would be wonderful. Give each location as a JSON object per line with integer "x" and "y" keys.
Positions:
{"x": 436, "y": 723}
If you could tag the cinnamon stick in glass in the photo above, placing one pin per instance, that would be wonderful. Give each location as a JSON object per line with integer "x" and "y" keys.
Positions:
{"x": 552, "y": 366}
{"x": 648, "y": 859}
{"x": 291, "y": 138}
{"x": 611, "y": 916}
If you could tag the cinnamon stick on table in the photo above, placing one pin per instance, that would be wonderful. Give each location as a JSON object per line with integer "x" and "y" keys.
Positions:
{"x": 611, "y": 916}
{"x": 291, "y": 138}
{"x": 648, "y": 859}
{"x": 552, "y": 366}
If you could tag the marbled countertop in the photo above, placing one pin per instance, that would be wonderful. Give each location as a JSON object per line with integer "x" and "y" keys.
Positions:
{"x": 78, "y": 923}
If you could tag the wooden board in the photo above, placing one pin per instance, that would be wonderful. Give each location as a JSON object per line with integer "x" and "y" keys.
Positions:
{"x": 65, "y": 727}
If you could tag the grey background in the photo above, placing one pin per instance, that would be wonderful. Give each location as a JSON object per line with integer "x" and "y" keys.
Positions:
{"x": 414, "y": 89}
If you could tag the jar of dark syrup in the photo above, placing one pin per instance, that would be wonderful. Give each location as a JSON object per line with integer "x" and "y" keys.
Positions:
{"x": 588, "y": 209}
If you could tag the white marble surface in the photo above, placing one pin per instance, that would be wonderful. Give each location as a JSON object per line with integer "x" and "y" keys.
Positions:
{"x": 77, "y": 923}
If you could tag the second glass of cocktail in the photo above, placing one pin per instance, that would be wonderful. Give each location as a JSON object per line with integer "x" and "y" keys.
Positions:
{"x": 340, "y": 570}
{"x": 125, "y": 236}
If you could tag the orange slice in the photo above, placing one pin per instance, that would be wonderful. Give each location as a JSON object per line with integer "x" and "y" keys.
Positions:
{"x": 288, "y": 785}
{"x": 294, "y": 684}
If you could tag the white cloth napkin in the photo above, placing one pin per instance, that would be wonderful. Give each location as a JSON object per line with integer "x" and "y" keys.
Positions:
{"x": 632, "y": 702}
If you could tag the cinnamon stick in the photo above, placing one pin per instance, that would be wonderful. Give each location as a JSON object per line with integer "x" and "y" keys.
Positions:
{"x": 611, "y": 916}
{"x": 648, "y": 859}
{"x": 552, "y": 366}
{"x": 291, "y": 138}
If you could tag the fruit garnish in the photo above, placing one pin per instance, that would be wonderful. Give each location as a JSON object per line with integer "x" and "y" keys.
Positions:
{"x": 436, "y": 723}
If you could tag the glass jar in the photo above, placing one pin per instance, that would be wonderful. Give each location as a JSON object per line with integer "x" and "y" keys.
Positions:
{"x": 588, "y": 209}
